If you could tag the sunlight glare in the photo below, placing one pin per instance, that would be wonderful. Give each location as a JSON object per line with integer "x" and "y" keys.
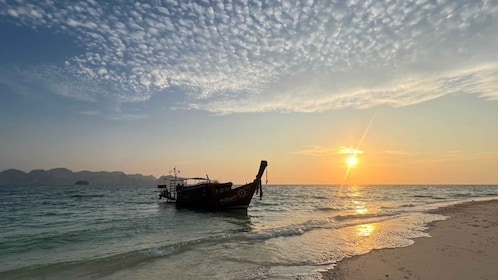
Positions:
{"x": 365, "y": 230}
{"x": 352, "y": 161}
{"x": 361, "y": 211}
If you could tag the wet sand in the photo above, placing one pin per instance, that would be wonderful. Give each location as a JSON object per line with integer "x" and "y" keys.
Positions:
{"x": 463, "y": 247}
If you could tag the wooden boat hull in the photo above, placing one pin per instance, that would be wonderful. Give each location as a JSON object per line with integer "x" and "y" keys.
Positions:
{"x": 210, "y": 196}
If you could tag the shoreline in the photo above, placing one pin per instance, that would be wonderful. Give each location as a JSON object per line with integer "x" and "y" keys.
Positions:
{"x": 465, "y": 246}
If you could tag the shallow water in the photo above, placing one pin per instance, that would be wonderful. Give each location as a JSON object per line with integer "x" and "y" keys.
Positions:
{"x": 127, "y": 233}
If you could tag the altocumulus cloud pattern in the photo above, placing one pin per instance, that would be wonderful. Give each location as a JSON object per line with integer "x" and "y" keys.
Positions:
{"x": 257, "y": 56}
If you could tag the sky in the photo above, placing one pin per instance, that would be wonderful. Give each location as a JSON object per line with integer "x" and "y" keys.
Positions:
{"x": 328, "y": 92}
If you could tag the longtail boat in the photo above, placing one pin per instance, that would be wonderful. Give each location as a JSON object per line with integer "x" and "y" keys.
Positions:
{"x": 209, "y": 195}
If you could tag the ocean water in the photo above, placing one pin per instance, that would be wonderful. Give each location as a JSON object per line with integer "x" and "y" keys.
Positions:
{"x": 294, "y": 232}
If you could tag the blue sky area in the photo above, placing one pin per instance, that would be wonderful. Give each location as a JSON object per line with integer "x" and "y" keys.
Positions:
{"x": 216, "y": 86}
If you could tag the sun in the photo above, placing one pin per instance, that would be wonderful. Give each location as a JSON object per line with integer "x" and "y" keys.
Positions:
{"x": 352, "y": 161}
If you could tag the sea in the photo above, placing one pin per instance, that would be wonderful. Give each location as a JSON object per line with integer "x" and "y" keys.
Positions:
{"x": 293, "y": 232}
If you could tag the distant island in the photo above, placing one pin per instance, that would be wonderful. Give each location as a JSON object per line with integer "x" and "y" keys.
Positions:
{"x": 66, "y": 177}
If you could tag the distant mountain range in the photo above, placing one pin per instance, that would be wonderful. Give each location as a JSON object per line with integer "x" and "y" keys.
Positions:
{"x": 66, "y": 177}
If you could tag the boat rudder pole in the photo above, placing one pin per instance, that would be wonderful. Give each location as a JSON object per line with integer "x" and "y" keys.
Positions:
{"x": 262, "y": 168}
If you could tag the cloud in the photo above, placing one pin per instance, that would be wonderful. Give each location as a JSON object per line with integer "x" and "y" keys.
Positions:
{"x": 398, "y": 153}
{"x": 349, "y": 151}
{"x": 486, "y": 155}
{"x": 452, "y": 155}
{"x": 317, "y": 151}
{"x": 116, "y": 115}
{"x": 258, "y": 56}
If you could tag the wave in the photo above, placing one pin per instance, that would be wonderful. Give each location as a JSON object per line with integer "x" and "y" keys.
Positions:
{"x": 363, "y": 216}
{"x": 428, "y": 196}
{"x": 327, "y": 209}
{"x": 462, "y": 195}
{"x": 90, "y": 268}
{"x": 422, "y": 196}
{"x": 86, "y": 195}
{"x": 277, "y": 233}
{"x": 287, "y": 231}
{"x": 319, "y": 197}
{"x": 408, "y": 205}
{"x": 99, "y": 267}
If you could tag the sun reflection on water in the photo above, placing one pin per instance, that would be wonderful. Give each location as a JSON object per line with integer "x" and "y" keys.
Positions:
{"x": 361, "y": 209}
{"x": 365, "y": 230}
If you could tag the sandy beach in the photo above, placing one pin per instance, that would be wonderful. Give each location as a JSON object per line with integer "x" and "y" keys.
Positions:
{"x": 465, "y": 246}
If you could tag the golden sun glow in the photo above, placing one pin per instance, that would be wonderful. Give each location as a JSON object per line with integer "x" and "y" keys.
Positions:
{"x": 352, "y": 161}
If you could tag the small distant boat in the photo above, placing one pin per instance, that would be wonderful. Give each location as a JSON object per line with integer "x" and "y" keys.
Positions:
{"x": 82, "y": 183}
{"x": 211, "y": 195}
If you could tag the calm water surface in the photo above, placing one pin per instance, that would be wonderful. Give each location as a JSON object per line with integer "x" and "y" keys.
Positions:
{"x": 93, "y": 232}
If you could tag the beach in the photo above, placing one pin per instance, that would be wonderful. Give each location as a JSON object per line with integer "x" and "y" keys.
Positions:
{"x": 465, "y": 246}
